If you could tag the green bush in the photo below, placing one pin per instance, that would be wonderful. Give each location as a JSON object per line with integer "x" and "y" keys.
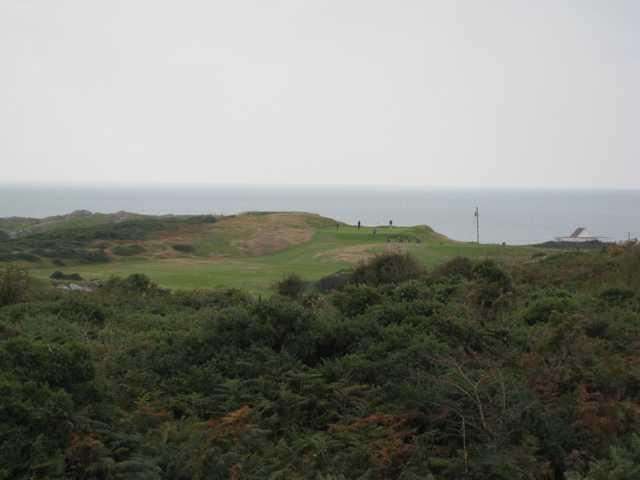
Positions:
{"x": 401, "y": 380}
{"x": 58, "y": 365}
{"x": 135, "y": 285}
{"x": 387, "y": 268}
{"x": 459, "y": 266}
{"x": 540, "y": 311}
{"x": 334, "y": 281}
{"x": 79, "y": 308}
{"x": 35, "y": 428}
{"x": 184, "y": 248}
{"x": 617, "y": 295}
{"x": 291, "y": 286}
{"x": 128, "y": 250}
{"x": 41, "y": 385}
{"x": 489, "y": 271}
{"x": 198, "y": 299}
{"x": 58, "y": 275}
{"x": 353, "y": 300}
{"x": 15, "y": 285}
{"x": 79, "y": 255}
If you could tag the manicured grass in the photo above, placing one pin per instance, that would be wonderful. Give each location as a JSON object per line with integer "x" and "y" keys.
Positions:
{"x": 311, "y": 260}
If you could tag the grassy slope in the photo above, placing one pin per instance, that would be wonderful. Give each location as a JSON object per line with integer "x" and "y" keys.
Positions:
{"x": 78, "y": 219}
{"x": 224, "y": 257}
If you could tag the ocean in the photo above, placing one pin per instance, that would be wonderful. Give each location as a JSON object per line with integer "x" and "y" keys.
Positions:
{"x": 514, "y": 216}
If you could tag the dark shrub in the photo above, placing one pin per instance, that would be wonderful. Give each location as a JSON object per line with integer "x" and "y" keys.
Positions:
{"x": 201, "y": 219}
{"x": 355, "y": 299}
{"x": 230, "y": 328}
{"x": 128, "y": 250}
{"x": 288, "y": 326}
{"x": 78, "y": 255}
{"x": 291, "y": 286}
{"x": 457, "y": 267}
{"x": 15, "y": 285}
{"x": 58, "y": 275}
{"x": 4, "y": 236}
{"x": 541, "y": 310}
{"x": 184, "y": 248}
{"x": 55, "y": 364}
{"x": 490, "y": 272}
{"x": 408, "y": 291}
{"x": 617, "y": 295}
{"x": 17, "y": 257}
{"x": 136, "y": 283}
{"x": 493, "y": 283}
{"x": 334, "y": 281}
{"x": 79, "y": 308}
{"x": 198, "y": 299}
{"x": 35, "y": 420}
{"x": 596, "y": 328}
{"x": 387, "y": 268}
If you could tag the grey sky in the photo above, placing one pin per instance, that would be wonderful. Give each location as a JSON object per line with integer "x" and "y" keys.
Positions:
{"x": 507, "y": 93}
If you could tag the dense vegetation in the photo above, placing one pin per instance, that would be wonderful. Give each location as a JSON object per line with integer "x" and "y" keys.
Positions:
{"x": 87, "y": 244}
{"x": 251, "y": 251}
{"x": 474, "y": 370}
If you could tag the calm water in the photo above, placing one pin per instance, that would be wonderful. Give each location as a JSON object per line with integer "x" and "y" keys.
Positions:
{"x": 506, "y": 215}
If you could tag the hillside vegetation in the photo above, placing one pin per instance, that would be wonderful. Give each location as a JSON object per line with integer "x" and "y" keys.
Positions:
{"x": 251, "y": 250}
{"x": 473, "y": 370}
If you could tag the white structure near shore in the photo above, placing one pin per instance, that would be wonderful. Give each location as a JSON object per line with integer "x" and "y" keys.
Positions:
{"x": 580, "y": 234}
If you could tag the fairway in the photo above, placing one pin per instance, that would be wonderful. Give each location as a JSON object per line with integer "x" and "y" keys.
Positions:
{"x": 327, "y": 250}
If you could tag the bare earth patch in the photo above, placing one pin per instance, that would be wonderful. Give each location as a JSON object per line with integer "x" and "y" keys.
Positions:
{"x": 359, "y": 253}
{"x": 270, "y": 241}
{"x": 263, "y": 234}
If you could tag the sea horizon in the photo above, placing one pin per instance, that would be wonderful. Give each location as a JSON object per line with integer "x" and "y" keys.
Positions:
{"x": 514, "y": 215}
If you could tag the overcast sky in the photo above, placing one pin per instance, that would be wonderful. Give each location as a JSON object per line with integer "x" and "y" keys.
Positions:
{"x": 469, "y": 93}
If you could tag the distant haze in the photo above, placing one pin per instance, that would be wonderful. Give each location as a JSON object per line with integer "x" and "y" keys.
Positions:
{"x": 468, "y": 93}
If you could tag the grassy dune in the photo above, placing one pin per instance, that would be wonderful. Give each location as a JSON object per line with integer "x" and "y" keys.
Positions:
{"x": 255, "y": 250}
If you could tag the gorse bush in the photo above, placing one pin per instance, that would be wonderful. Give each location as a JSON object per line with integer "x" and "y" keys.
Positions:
{"x": 334, "y": 281}
{"x": 489, "y": 271}
{"x": 476, "y": 371}
{"x": 18, "y": 257}
{"x": 291, "y": 286}
{"x": 136, "y": 285}
{"x": 493, "y": 281}
{"x": 355, "y": 299}
{"x": 58, "y": 275}
{"x": 81, "y": 308}
{"x": 199, "y": 299}
{"x": 184, "y": 248}
{"x": 540, "y": 310}
{"x": 89, "y": 244}
{"x": 41, "y": 385}
{"x": 128, "y": 250}
{"x": 14, "y": 286}
{"x": 387, "y": 268}
{"x": 459, "y": 266}
{"x": 617, "y": 295}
